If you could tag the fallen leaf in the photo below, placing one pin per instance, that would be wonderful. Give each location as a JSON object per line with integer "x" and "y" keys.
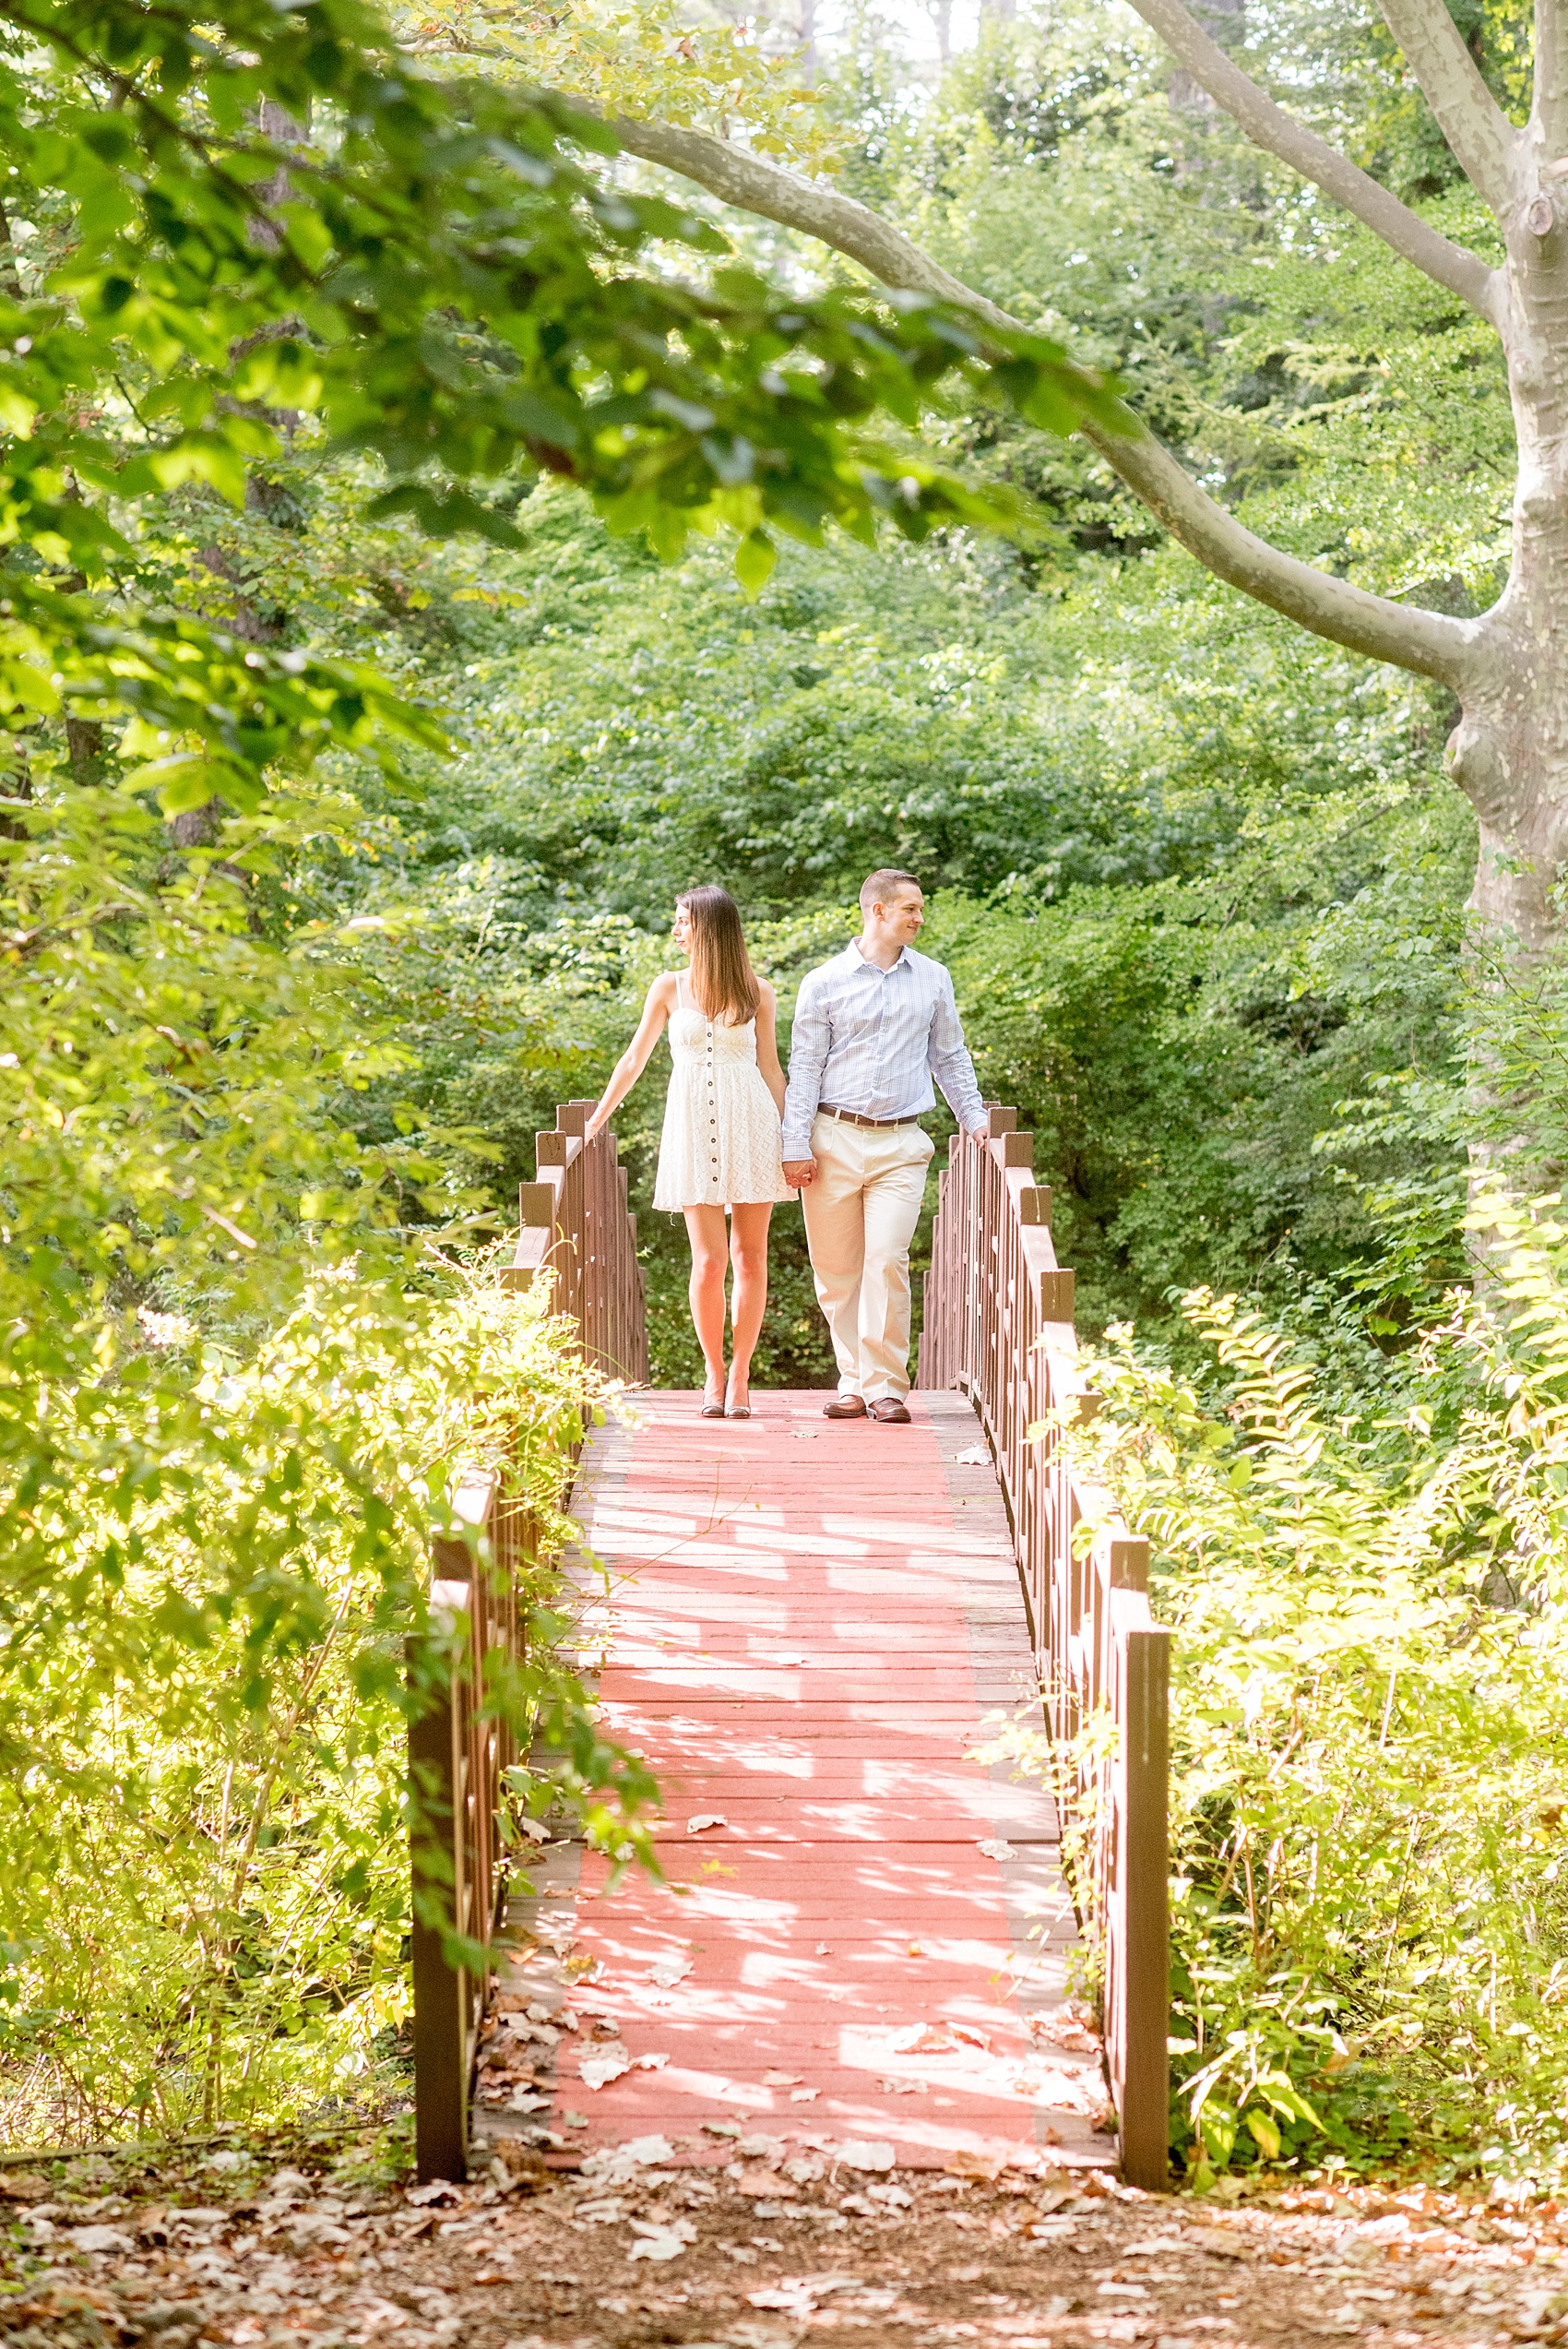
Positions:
{"x": 719, "y": 2129}
{"x": 971, "y": 2037}
{"x": 982, "y": 2166}
{"x": 859, "y": 2153}
{"x": 758, "y": 2147}
{"x": 660, "y": 2242}
{"x": 976, "y": 1456}
{"x": 995, "y": 1848}
{"x": 782, "y": 2080}
{"x": 438, "y": 2190}
{"x": 755, "y": 2180}
{"x": 894, "y": 2087}
{"x": 924, "y": 2039}
{"x": 797, "y": 2298}
{"x": 612, "y": 2165}
{"x": 668, "y": 1971}
{"x": 600, "y": 2066}
{"x": 916, "y": 1949}
{"x": 823, "y": 1951}
{"x": 803, "y": 2096}
{"x": 1216, "y": 2240}
{"x": 704, "y": 1821}
{"x": 649, "y": 2063}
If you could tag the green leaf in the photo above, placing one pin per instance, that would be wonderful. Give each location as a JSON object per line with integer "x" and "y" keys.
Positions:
{"x": 755, "y": 559}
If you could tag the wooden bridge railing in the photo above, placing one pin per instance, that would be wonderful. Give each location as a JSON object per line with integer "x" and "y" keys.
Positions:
{"x": 999, "y": 1327}
{"x": 573, "y": 1224}
{"x": 572, "y": 1220}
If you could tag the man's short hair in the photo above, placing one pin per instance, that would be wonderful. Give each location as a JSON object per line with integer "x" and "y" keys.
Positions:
{"x": 877, "y": 888}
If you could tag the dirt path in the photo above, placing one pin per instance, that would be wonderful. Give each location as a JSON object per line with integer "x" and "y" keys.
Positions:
{"x": 634, "y": 2253}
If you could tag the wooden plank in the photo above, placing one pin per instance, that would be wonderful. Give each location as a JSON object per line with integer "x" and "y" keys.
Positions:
{"x": 854, "y": 1803}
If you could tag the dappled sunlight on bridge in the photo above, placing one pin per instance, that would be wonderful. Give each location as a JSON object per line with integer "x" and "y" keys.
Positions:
{"x": 806, "y": 1627}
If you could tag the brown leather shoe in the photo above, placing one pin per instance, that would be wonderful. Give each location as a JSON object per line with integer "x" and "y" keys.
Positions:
{"x": 844, "y": 1407}
{"x": 890, "y": 1411}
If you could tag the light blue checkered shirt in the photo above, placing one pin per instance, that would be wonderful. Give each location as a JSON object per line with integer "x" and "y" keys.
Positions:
{"x": 872, "y": 1040}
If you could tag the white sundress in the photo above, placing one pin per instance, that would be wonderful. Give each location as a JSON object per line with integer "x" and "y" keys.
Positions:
{"x": 721, "y": 1142}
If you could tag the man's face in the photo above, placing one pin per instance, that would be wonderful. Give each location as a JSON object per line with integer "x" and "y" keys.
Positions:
{"x": 902, "y": 916}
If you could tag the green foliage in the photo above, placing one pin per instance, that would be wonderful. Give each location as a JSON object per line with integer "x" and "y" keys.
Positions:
{"x": 435, "y": 280}
{"x": 233, "y": 1400}
{"x": 1370, "y": 1931}
{"x": 204, "y": 1806}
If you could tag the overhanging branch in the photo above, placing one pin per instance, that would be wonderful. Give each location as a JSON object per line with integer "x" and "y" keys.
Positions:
{"x": 1425, "y": 641}
{"x": 1277, "y": 132}
{"x": 1468, "y": 115}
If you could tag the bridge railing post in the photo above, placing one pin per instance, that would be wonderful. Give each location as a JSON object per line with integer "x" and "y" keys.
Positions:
{"x": 999, "y": 1326}
{"x": 455, "y": 1755}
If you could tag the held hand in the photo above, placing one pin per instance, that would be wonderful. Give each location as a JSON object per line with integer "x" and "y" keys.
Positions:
{"x": 799, "y": 1171}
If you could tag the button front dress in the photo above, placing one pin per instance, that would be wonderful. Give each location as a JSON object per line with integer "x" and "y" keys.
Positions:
{"x": 721, "y": 1142}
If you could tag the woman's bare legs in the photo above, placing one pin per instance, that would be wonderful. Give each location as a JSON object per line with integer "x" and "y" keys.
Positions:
{"x": 748, "y": 1254}
{"x": 705, "y": 1229}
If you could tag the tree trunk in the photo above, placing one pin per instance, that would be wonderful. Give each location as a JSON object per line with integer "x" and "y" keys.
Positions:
{"x": 1509, "y": 752}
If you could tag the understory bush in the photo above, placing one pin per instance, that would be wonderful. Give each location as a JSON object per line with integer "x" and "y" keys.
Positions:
{"x": 234, "y": 1398}
{"x": 1370, "y": 1754}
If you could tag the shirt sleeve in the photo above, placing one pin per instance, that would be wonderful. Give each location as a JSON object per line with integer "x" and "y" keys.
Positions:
{"x": 810, "y": 1040}
{"x": 949, "y": 1058}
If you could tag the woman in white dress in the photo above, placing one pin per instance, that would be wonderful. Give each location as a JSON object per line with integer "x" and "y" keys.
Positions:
{"x": 720, "y": 1147}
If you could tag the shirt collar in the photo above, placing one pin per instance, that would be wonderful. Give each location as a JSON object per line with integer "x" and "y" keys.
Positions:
{"x": 857, "y": 961}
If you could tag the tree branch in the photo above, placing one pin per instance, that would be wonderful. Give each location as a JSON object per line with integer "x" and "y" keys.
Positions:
{"x": 1427, "y": 642}
{"x": 1552, "y": 78}
{"x": 1277, "y": 132}
{"x": 1409, "y": 636}
{"x": 1468, "y": 115}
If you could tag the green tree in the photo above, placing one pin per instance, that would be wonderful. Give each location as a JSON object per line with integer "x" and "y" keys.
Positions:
{"x": 1499, "y": 664}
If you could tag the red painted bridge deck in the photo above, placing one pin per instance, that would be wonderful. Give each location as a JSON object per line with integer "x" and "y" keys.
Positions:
{"x": 809, "y": 1628}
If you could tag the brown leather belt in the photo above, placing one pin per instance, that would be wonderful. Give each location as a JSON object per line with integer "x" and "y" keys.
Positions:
{"x": 853, "y": 1117}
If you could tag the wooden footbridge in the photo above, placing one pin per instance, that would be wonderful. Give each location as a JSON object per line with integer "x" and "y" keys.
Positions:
{"x": 869, "y": 1932}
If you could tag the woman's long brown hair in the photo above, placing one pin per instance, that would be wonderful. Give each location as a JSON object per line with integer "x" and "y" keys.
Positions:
{"x": 723, "y": 983}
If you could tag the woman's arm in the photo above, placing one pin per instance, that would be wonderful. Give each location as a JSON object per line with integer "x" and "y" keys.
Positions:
{"x": 768, "y": 1042}
{"x": 634, "y": 1060}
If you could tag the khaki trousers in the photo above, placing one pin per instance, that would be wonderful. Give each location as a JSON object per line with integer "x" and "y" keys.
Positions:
{"x": 861, "y": 1215}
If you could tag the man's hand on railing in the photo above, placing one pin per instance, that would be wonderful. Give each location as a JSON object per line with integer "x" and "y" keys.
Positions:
{"x": 981, "y": 1133}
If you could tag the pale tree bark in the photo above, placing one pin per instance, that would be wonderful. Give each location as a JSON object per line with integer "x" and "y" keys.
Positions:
{"x": 1508, "y": 667}
{"x": 1185, "y": 95}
